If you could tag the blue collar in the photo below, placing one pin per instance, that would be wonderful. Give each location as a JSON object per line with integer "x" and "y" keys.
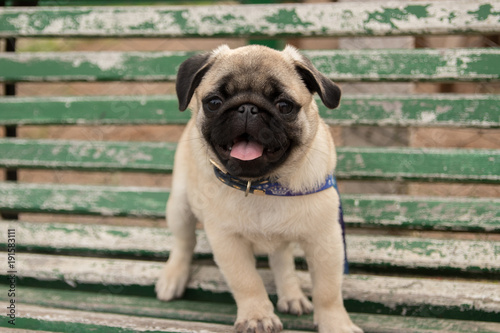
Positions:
{"x": 266, "y": 187}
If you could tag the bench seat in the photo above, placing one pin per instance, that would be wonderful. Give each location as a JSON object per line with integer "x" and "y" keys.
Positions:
{"x": 140, "y": 317}
{"x": 126, "y": 285}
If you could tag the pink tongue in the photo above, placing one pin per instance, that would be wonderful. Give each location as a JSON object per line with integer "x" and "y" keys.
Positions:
{"x": 247, "y": 150}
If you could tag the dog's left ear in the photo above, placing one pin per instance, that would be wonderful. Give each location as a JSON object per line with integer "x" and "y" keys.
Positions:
{"x": 316, "y": 82}
{"x": 189, "y": 76}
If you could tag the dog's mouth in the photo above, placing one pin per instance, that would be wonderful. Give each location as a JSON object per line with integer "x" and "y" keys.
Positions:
{"x": 252, "y": 156}
{"x": 246, "y": 149}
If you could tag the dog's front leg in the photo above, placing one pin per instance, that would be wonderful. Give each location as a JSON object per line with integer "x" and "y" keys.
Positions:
{"x": 291, "y": 299}
{"x": 235, "y": 258}
{"x": 174, "y": 276}
{"x": 325, "y": 258}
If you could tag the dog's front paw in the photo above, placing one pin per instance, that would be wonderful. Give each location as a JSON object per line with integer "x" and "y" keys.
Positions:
{"x": 172, "y": 281}
{"x": 270, "y": 324}
{"x": 257, "y": 319}
{"x": 296, "y": 305}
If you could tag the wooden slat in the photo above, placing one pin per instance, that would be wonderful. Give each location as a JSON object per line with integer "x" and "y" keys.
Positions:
{"x": 390, "y": 211}
{"x": 337, "y": 19}
{"x": 439, "y": 213}
{"x": 480, "y": 111}
{"x": 88, "y": 155}
{"x": 62, "y": 319}
{"x": 427, "y": 164}
{"x": 415, "y": 110}
{"x": 116, "y": 110}
{"x": 408, "y": 65}
{"x": 339, "y": 65}
{"x": 93, "y": 200}
{"x": 365, "y": 251}
{"x": 362, "y": 293}
{"x": 91, "y": 66}
{"x": 424, "y": 164}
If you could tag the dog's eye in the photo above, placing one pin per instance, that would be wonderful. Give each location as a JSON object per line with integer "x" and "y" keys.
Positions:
{"x": 284, "y": 107}
{"x": 214, "y": 104}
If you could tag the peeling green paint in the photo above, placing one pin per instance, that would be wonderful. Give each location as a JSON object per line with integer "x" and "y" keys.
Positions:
{"x": 381, "y": 245}
{"x": 445, "y": 110}
{"x": 144, "y": 26}
{"x": 70, "y": 229}
{"x": 263, "y": 21}
{"x": 284, "y": 18}
{"x": 464, "y": 165}
{"x": 484, "y": 12}
{"x": 419, "y": 11}
{"x": 475, "y": 64}
{"x": 360, "y": 210}
{"x": 119, "y": 233}
{"x": 391, "y": 16}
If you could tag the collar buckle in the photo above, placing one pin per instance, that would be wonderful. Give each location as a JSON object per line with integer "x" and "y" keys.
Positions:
{"x": 249, "y": 185}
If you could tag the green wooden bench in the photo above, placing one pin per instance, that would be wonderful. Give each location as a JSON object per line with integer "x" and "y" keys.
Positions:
{"x": 419, "y": 263}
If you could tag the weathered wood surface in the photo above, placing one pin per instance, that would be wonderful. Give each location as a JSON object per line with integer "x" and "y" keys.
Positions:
{"x": 93, "y": 200}
{"x": 408, "y": 110}
{"x": 415, "y": 110}
{"x": 339, "y": 65}
{"x": 62, "y": 320}
{"x": 424, "y": 164}
{"x": 59, "y": 3}
{"x": 473, "y": 214}
{"x": 290, "y": 20}
{"x": 125, "y": 287}
{"x": 93, "y": 110}
{"x": 140, "y": 314}
{"x": 388, "y": 252}
{"x": 418, "y": 164}
{"x": 88, "y": 155}
{"x": 364, "y": 293}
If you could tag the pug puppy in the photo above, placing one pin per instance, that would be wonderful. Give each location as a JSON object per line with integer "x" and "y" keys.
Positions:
{"x": 254, "y": 121}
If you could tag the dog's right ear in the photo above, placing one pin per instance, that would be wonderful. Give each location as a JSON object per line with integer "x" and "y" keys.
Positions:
{"x": 189, "y": 76}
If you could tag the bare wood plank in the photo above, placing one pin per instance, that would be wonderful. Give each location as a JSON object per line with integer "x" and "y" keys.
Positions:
{"x": 448, "y": 110}
{"x": 395, "y": 295}
{"x": 363, "y": 250}
{"x": 439, "y": 213}
{"x": 283, "y": 20}
{"x": 476, "y": 64}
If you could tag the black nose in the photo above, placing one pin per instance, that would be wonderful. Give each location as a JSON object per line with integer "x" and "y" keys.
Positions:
{"x": 248, "y": 108}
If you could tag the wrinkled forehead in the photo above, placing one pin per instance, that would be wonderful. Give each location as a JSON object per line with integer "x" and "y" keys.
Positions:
{"x": 233, "y": 84}
{"x": 269, "y": 75}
